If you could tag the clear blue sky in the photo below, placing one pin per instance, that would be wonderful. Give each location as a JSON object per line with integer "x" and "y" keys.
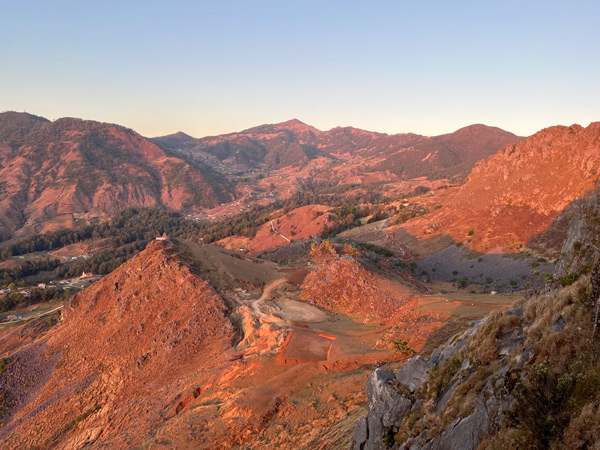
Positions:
{"x": 213, "y": 67}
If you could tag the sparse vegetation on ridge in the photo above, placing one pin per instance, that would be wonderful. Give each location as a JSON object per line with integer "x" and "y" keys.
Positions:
{"x": 553, "y": 399}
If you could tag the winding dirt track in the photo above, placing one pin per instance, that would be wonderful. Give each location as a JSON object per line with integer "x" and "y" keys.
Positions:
{"x": 34, "y": 317}
{"x": 273, "y": 228}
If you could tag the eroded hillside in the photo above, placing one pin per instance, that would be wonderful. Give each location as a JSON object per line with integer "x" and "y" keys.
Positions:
{"x": 514, "y": 196}
{"x": 120, "y": 359}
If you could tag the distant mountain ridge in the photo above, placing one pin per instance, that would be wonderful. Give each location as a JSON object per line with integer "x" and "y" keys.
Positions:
{"x": 293, "y": 142}
{"x": 57, "y": 174}
{"x": 53, "y": 174}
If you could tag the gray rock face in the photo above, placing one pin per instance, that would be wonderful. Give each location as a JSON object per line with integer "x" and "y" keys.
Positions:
{"x": 524, "y": 357}
{"x": 455, "y": 344}
{"x": 414, "y": 373}
{"x": 559, "y": 324}
{"x": 580, "y": 232}
{"x": 387, "y": 408}
{"x": 510, "y": 341}
{"x": 463, "y": 434}
{"x": 361, "y": 434}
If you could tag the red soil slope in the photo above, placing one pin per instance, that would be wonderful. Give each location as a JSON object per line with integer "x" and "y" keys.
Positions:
{"x": 126, "y": 350}
{"x": 300, "y": 223}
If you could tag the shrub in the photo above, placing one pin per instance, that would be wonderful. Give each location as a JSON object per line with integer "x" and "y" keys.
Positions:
{"x": 463, "y": 282}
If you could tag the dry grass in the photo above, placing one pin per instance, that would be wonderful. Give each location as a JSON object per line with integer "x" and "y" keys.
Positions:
{"x": 584, "y": 431}
{"x": 557, "y": 394}
{"x": 464, "y": 397}
{"x": 483, "y": 346}
{"x": 568, "y": 302}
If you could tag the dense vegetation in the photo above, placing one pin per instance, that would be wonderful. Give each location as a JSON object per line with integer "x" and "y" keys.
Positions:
{"x": 14, "y": 299}
{"x": 129, "y": 226}
{"x": 28, "y": 268}
{"x": 247, "y": 223}
{"x": 129, "y": 231}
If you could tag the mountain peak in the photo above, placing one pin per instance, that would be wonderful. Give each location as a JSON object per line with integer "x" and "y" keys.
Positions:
{"x": 182, "y": 135}
{"x": 294, "y": 125}
{"x": 479, "y": 128}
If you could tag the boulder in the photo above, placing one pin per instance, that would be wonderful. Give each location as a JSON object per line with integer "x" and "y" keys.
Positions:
{"x": 559, "y": 324}
{"x": 414, "y": 373}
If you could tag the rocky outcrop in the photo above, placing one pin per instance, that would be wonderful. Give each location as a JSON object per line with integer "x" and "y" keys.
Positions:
{"x": 393, "y": 396}
{"x": 464, "y": 433}
{"x": 452, "y": 347}
{"x": 414, "y": 373}
{"x": 343, "y": 285}
{"x": 387, "y": 407}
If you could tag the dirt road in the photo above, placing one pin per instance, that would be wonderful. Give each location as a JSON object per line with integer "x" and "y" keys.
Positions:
{"x": 266, "y": 294}
{"x": 32, "y": 317}
{"x": 273, "y": 228}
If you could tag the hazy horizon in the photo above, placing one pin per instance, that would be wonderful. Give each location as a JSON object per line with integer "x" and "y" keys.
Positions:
{"x": 295, "y": 118}
{"x": 391, "y": 67}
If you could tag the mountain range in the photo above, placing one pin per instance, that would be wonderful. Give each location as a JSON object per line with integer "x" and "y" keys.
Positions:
{"x": 69, "y": 171}
{"x": 292, "y": 268}
{"x": 295, "y": 143}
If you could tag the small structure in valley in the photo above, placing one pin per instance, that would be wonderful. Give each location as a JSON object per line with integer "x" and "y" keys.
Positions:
{"x": 164, "y": 237}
